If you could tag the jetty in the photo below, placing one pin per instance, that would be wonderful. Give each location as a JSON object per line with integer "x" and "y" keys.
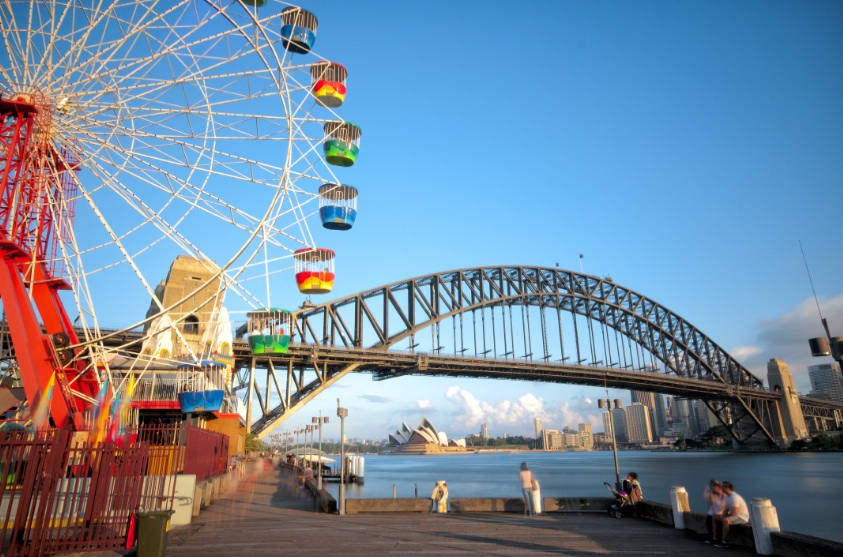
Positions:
{"x": 269, "y": 513}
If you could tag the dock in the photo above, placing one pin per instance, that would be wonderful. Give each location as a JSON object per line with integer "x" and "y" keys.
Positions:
{"x": 269, "y": 514}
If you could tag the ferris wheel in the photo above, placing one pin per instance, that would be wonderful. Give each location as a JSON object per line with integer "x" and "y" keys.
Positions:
{"x": 135, "y": 132}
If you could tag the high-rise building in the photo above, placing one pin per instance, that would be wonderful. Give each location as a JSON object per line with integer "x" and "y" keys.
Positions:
{"x": 655, "y": 404}
{"x": 484, "y": 431}
{"x": 653, "y": 401}
{"x": 537, "y": 424}
{"x": 826, "y": 382}
{"x": 638, "y": 427}
{"x": 618, "y": 423}
{"x": 660, "y": 417}
{"x": 586, "y": 436}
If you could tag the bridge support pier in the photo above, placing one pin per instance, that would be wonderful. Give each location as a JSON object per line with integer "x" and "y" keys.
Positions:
{"x": 788, "y": 419}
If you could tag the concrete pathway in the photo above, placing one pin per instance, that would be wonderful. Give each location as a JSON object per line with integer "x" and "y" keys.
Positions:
{"x": 268, "y": 514}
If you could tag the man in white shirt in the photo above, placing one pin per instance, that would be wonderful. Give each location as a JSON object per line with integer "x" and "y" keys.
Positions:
{"x": 736, "y": 513}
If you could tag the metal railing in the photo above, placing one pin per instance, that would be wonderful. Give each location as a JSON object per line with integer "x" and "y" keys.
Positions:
{"x": 206, "y": 453}
{"x": 61, "y": 493}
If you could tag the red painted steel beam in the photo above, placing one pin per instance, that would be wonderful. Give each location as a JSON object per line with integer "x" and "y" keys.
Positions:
{"x": 33, "y": 350}
{"x": 26, "y": 215}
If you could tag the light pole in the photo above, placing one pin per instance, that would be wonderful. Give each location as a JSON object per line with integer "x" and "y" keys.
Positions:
{"x": 607, "y": 402}
{"x": 309, "y": 429}
{"x": 342, "y": 413}
{"x": 319, "y": 421}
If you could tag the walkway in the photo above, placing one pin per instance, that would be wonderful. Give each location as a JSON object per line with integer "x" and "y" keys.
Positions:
{"x": 269, "y": 515}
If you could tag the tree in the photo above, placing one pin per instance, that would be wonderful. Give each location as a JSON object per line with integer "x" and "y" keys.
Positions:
{"x": 254, "y": 444}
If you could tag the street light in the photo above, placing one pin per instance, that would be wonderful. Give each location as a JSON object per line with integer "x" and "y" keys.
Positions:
{"x": 319, "y": 421}
{"x": 608, "y": 404}
{"x": 309, "y": 429}
{"x": 342, "y": 413}
{"x": 298, "y": 447}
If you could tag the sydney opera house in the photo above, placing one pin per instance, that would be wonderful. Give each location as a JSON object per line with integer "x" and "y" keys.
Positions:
{"x": 425, "y": 439}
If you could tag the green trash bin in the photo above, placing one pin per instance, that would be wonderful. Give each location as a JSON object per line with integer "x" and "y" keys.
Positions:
{"x": 152, "y": 532}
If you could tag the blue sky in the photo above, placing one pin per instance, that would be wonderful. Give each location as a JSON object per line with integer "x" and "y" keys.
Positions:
{"x": 684, "y": 148}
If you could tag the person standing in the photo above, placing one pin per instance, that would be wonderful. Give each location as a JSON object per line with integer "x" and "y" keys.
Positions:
{"x": 736, "y": 513}
{"x": 527, "y": 488}
{"x": 716, "y": 500}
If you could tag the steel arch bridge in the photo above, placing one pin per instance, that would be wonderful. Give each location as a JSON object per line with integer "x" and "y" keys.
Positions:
{"x": 513, "y": 322}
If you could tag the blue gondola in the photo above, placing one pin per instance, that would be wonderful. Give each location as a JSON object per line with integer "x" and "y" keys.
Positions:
{"x": 201, "y": 400}
{"x": 337, "y": 206}
{"x": 298, "y": 29}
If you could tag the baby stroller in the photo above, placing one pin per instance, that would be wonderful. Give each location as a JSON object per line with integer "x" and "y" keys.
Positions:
{"x": 623, "y": 505}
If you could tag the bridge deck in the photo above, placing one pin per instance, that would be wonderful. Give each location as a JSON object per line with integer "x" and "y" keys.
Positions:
{"x": 269, "y": 515}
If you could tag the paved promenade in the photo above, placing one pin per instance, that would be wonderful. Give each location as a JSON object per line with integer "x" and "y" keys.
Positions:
{"x": 267, "y": 514}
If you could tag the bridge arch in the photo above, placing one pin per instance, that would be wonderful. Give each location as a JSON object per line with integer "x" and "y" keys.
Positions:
{"x": 375, "y": 323}
{"x": 423, "y": 302}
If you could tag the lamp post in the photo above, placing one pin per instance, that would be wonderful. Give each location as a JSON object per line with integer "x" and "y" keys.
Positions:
{"x": 342, "y": 413}
{"x": 607, "y": 403}
{"x": 309, "y": 429}
{"x": 319, "y": 421}
{"x": 827, "y": 346}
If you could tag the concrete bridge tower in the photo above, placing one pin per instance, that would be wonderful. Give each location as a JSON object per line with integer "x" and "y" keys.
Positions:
{"x": 199, "y": 324}
{"x": 789, "y": 424}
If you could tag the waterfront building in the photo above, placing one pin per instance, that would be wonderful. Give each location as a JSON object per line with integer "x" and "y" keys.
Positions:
{"x": 425, "y": 439}
{"x": 618, "y": 423}
{"x": 586, "y": 436}
{"x": 551, "y": 440}
{"x": 638, "y": 427}
{"x": 653, "y": 401}
{"x": 684, "y": 420}
{"x": 537, "y": 427}
{"x": 826, "y": 382}
{"x": 484, "y": 431}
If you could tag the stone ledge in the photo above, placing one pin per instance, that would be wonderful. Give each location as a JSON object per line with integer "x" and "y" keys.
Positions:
{"x": 791, "y": 544}
{"x": 478, "y": 505}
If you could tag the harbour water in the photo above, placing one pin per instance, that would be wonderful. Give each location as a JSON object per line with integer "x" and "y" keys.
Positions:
{"x": 804, "y": 487}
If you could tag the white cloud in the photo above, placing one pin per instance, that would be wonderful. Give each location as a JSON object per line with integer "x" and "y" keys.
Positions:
{"x": 742, "y": 353}
{"x": 424, "y": 404}
{"x": 786, "y": 337}
{"x": 516, "y": 417}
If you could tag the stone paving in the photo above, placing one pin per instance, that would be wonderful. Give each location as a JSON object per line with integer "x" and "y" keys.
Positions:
{"x": 268, "y": 514}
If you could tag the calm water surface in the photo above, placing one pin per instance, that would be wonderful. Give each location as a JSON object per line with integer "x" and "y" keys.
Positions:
{"x": 805, "y": 488}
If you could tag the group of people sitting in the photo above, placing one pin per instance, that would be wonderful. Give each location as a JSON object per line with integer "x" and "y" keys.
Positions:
{"x": 725, "y": 509}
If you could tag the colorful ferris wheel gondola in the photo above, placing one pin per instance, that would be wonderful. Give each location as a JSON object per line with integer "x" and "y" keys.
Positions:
{"x": 254, "y": 3}
{"x": 328, "y": 83}
{"x": 298, "y": 29}
{"x": 269, "y": 331}
{"x": 314, "y": 270}
{"x": 337, "y": 206}
{"x": 342, "y": 143}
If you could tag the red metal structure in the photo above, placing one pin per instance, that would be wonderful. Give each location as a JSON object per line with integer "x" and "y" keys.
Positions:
{"x": 36, "y": 206}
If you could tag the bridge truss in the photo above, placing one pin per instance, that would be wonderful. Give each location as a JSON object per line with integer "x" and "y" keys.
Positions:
{"x": 522, "y": 323}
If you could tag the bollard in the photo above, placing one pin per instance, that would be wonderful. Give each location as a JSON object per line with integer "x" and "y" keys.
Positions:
{"x": 440, "y": 497}
{"x": 679, "y": 503}
{"x": 394, "y": 492}
{"x": 536, "y": 494}
{"x": 765, "y": 520}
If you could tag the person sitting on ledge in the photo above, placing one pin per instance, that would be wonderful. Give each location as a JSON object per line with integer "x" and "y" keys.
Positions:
{"x": 736, "y": 513}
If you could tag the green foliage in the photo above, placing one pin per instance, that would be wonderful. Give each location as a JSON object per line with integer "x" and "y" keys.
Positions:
{"x": 819, "y": 442}
{"x": 254, "y": 445}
